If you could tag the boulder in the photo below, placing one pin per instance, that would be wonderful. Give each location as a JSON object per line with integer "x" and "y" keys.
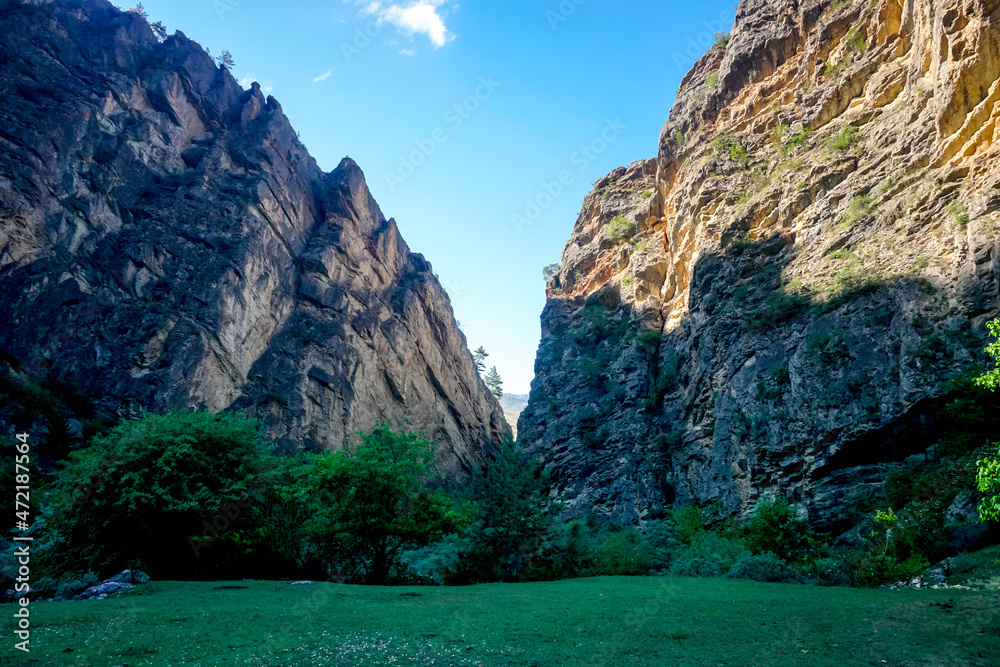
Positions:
{"x": 104, "y": 589}
{"x": 130, "y": 577}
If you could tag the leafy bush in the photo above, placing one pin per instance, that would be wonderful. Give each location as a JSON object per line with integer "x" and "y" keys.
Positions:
{"x": 698, "y": 566}
{"x": 648, "y": 341}
{"x": 620, "y": 228}
{"x": 690, "y": 523}
{"x": 510, "y": 517}
{"x": 829, "y": 346}
{"x": 722, "y": 39}
{"x": 831, "y": 571}
{"x": 761, "y": 567}
{"x": 775, "y": 527}
{"x": 623, "y": 552}
{"x": 858, "y": 209}
{"x": 140, "y": 492}
{"x": 68, "y": 589}
{"x": 664, "y": 540}
{"x": 879, "y": 568}
{"x": 846, "y": 138}
{"x": 440, "y": 563}
{"x": 370, "y": 505}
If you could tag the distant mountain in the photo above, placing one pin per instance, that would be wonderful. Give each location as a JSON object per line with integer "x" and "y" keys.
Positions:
{"x": 512, "y": 405}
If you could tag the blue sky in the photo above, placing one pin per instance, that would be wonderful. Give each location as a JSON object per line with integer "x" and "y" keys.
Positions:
{"x": 463, "y": 115}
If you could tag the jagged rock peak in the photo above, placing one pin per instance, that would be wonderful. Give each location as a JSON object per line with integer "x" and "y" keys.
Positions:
{"x": 167, "y": 242}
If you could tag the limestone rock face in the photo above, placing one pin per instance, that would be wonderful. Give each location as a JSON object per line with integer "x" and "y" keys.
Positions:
{"x": 166, "y": 242}
{"x": 777, "y": 303}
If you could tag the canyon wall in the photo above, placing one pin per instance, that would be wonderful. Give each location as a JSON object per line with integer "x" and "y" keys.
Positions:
{"x": 166, "y": 242}
{"x": 791, "y": 296}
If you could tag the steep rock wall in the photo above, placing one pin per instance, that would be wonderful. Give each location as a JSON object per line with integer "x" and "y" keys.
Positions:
{"x": 780, "y": 301}
{"x": 166, "y": 242}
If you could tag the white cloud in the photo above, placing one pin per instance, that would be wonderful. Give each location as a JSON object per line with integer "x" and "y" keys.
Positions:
{"x": 323, "y": 77}
{"x": 407, "y": 52}
{"x": 417, "y": 17}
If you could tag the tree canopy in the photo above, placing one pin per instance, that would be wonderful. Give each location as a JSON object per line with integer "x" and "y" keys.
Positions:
{"x": 988, "y": 473}
{"x": 371, "y": 504}
{"x": 137, "y": 495}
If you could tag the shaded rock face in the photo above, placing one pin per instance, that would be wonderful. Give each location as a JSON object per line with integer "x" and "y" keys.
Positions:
{"x": 167, "y": 243}
{"x": 777, "y": 303}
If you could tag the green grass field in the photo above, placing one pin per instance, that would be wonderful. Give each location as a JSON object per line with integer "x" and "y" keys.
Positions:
{"x": 602, "y": 621}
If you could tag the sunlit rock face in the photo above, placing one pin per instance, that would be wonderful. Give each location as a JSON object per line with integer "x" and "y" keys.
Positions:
{"x": 779, "y": 301}
{"x": 166, "y": 242}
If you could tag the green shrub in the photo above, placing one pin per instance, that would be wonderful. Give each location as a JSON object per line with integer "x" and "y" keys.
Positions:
{"x": 709, "y": 554}
{"x": 831, "y": 571}
{"x": 648, "y": 341}
{"x": 698, "y": 566}
{"x": 846, "y": 138}
{"x": 775, "y": 527}
{"x": 879, "y": 568}
{"x": 855, "y": 41}
{"x": 140, "y": 492}
{"x": 664, "y": 540}
{"x": 722, "y": 39}
{"x": 778, "y": 308}
{"x": 829, "y": 346}
{"x": 441, "y": 563}
{"x": 68, "y": 589}
{"x": 713, "y": 80}
{"x": 668, "y": 443}
{"x": 623, "y": 552}
{"x": 690, "y": 523}
{"x": 620, "y": 228}
{"x": 761, "y": 567}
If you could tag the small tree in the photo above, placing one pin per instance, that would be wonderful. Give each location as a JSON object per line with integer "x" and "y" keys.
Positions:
{"x": 371, "y": 504}
{"x": 774, "y": 527}
{"x": 494, "y": 383}
{"x": 141, "y": 11}
{"x": 226, "y": 60}
{"x": 550, "y": 270}
{"x": 510, "y": 516}
{"x": 479, "y": 357}
{"x": 988, "y": 473}
{"x": 159, "y": 30}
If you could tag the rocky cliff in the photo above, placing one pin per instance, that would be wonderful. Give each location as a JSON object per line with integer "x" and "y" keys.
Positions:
{"x": 783, "y": 301}
{"x": 166, "y": 242}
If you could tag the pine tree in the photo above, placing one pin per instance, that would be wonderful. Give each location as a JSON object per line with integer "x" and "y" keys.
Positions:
{"x": 159, "y": 30}
{"x": 226, "y": 60}
{"x": 494, "y": 383}
{"x": 511, "y": 515}
{"x": 478, "y": 357}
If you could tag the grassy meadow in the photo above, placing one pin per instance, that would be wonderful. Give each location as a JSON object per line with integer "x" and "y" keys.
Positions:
{"x": 599, "y": 621}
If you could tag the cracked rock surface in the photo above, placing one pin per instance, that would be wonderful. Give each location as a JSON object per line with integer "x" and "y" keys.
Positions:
{"x": 166, "y": 242}
{"x": 778, "y": 302}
